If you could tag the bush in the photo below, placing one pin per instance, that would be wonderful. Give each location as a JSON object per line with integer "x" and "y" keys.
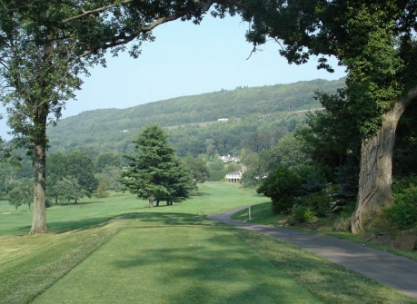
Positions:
{"x": 281, "y": 186}
{"x": 301, "y": 214}
{"x": 283, "y": 204}
{"x": 404, "y": 212}
{"x": 319, "y": 202}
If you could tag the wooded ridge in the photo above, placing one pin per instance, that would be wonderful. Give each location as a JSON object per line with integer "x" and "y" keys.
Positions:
{"x": 121, "y": 125}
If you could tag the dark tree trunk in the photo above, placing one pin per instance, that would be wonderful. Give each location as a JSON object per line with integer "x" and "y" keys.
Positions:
{"x": 39, "y": 208}
{"x": 375, "y": 177}
{"x": 157, "y": 203}
{"x": 150, "y": 200}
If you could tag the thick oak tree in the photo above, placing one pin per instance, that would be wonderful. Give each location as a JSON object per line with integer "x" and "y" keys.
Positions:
{"x": 376, "y": 42}
{"x": 46, "y": 45}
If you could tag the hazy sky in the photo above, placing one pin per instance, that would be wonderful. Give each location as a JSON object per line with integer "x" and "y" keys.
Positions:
{"x": 187, "y": 59}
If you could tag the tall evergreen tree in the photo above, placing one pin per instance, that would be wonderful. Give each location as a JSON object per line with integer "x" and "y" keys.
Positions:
{"x": 153, "y": 171}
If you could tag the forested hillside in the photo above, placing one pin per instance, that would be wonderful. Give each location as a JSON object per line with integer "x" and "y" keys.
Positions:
{"x": 113, "y": 129}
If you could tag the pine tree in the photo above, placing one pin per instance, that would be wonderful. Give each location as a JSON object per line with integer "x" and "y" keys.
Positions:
{"x": 154, "y": 172}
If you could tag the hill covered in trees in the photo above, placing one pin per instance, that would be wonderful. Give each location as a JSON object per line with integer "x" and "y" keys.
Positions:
{"x": 113, "y": 129}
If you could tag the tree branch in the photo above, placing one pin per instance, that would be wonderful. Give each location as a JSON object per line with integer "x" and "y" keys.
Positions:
{"x": 97, "y": 10}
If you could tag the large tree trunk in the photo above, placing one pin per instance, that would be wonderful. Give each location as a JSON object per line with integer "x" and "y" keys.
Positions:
{"x": 39, "y": 208}
{"x": 375, "y": 177}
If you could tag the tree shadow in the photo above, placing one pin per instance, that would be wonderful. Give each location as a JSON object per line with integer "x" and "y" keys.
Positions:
{"x": 200, "y": 193}
{"x": 222, "y": 273}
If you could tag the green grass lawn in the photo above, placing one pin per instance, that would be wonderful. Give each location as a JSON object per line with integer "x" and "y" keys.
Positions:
{"x": 176, "y": 265}
{"x": 211, "y": 198}
{"x": 116, "y": 250}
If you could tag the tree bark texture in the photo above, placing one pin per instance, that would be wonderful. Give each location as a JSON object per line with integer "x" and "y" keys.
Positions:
{"x": 39, "y": 208}
{"x": 151, "y": 200}
{"x": 375, "y": 177}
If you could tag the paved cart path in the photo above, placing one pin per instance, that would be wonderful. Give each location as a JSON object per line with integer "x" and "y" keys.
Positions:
{"x": 387, "y": 268}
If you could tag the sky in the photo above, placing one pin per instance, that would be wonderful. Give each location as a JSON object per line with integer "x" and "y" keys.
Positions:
{"x": 187, "y": 59}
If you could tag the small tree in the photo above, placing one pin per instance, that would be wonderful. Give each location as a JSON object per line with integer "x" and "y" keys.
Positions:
{"x": 101, "y": 190}
{"x": 22, "y": 194}
{"x": 70, "y": 189}
{"x": 197, "y": 167}
{"x": 281, "y": 186}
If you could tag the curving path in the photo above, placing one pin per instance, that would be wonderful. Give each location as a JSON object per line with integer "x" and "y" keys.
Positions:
{"x": 398, "y": 272}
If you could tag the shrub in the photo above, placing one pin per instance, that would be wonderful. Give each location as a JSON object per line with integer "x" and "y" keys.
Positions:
{"x": 404, "y": 212}
{"x": 283, "y": 204}
{"x": 301, "y": 214}
{"x": 281, "y": 186}
{"x": 319, "y": 202}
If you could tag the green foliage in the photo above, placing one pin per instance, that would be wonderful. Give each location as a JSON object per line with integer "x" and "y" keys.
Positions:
{"x": 404, "y": 212}
{"x": 232, "y": 167}
{"x": 81, "y": 167}
{"x": 329, "y": 136}
{"x": 217, "y": 165}
{"x": 346, "y": 180}
{"x": 154, "y": 171}
{"x": 289, "y": 152}
{"x": 197, "y": 167}
{"x": 281, "y": 186}
{"x": 319, "y": 203}
{"x": 67, "y": 173}
{"x": 69, "y": 189}
{"x": 301, "y": 214}
{"x": 101, "y": 190}
{"x": 110, "y": 177}
{"x": 105, "y": 160}
{"x": 21, "y": 194}
{"x": 217, "y": 175}
{"x": 263, "y": 120}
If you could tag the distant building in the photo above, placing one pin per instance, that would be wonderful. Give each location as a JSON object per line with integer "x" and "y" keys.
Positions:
{"x": 234, "y": 177}
{"x": 223, "y": 119}
{"x": 228, "y": 159}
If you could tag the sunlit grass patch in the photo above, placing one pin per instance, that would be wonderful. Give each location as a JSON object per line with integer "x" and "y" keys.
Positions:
{"x": 176, "y": 265}
{"x": 260, "y": 213}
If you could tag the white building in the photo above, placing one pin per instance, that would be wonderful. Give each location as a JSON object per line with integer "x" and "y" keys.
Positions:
{"x": 228, "y": 158}
{"x": 234, "y": 177}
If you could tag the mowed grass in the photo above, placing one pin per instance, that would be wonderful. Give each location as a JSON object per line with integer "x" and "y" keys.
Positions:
{"x": 211, "y": 198}
{"x": 176, "y": 265}
{"x": 116, "y": 250}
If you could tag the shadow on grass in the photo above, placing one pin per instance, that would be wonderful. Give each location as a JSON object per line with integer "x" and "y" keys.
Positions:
{"x": 201, "y": 193}
{"x": 170, "y": 219}
{"x": 220, "y": 270}
{"x": 79, "y": 204}
{"x": 137, "y": 219}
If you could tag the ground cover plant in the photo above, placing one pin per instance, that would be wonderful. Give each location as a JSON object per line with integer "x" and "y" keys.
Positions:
{"x": 116, "y": 250}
